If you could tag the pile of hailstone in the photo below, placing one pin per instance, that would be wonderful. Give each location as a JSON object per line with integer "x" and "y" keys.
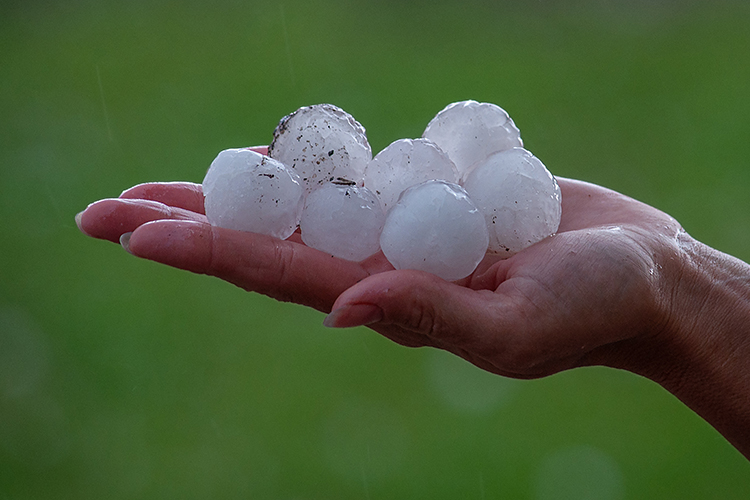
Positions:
{"x": 437, "y": 204}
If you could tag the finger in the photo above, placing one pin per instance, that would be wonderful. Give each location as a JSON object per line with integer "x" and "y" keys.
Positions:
{"x": 496, "y": 331}
{"x": 586, "y": 205}
{"x": 111, "y": 218}
{"x": 282, "y": 269}
{"x": 435, "y": 311}
{"x": 186, "y": 195}
{"x": 259, "y": 149}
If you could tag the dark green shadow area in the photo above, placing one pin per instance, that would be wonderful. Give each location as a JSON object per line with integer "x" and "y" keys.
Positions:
{"x": 122, "y": 379}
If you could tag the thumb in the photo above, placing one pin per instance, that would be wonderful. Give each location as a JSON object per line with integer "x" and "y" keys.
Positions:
{"x": 416, "y": 308}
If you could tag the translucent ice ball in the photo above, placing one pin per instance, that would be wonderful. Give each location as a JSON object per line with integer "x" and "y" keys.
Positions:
{"x": 519, "y": 198}
{"x": 435, "y": 227}
{"x": 403, "y": 164}
{"x": 321, "y": 143}
{"x": 248, "y": 191}
{"x": 343, "y": 220}
{"x": 469, "y": 131}
{"x": 223, "y": 164}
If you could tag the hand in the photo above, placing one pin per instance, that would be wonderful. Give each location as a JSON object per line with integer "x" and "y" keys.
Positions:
{"x": 620, "y": 284}
{"x": 165, "y": 222}
{"x": 558, "y": 304}
{"x": 573, "y": 299}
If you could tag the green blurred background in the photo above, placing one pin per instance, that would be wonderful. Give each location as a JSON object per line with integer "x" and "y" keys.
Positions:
{"x": 120, "y": 378}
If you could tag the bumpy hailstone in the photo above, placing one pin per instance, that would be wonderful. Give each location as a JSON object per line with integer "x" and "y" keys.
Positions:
{"x": 222, "y": 165}
{"x": 405, "y": 163}
{"x": 248, "y": 191}
{"x": 321, "y": 143}
{"x": 435, "y": 227}
{"x": 343, "y": 220}
{"x": 469, "y": 131}
{"x": 519, "y": 198}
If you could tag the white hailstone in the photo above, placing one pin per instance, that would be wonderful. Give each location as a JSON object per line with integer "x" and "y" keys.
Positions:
{"x": 343, "y": 220}
{"x": 435, "y": 227}
{"x": 469, "y": 131}
{"x": 222, "y": 165}
{"x": 405, "y": 163}
{"x": 519, "y": 197}
{"x": 321, "y": 143}
{"x": 248, "y": 191}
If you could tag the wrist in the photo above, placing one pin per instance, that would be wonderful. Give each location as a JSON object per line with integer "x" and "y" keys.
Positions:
{"x": 703, "y": 354}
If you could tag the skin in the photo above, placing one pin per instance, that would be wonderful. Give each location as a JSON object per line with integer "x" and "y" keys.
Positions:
{"x": 621, "y": 284}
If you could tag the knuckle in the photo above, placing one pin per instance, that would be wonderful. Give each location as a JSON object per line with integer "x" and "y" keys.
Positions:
{"x": 416, "y": 313}
{"x": 417, "y": 318}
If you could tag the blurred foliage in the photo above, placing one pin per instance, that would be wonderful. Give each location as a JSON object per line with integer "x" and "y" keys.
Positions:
{"x": 120, "y": 378}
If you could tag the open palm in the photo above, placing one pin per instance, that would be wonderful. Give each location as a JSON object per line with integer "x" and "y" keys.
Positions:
{"x": 563, "y": 302}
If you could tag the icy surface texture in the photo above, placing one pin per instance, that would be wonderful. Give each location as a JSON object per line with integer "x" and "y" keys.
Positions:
{"x": 519, "y": 198}
{"x": 469, "y": 131}
{"x": 435, "y": 227}
{"x": 247, "y": 191}
{"x": 222, "y": 165}
{"x": 321, "y": 143}
{"x": 343, "y": 220}
{"x": 405, "y": 163}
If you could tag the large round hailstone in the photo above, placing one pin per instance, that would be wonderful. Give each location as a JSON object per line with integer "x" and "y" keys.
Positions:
{"x": 519, "y": 197}
{"x": 405, "y": 163}
{"x": 435, "y": 227}
{"x": 248, "y": 191}
{"x": 469, "y": 131}
{"x": 321, "y": 143}
{"x": 343, "y": 220}
{"x": 223, "y": 164}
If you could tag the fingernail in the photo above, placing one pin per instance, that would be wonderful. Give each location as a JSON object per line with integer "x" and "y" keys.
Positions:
{"x": 125, "y": 241}
{"x": 353, "y": 315}
{"x": 79, "y": 217}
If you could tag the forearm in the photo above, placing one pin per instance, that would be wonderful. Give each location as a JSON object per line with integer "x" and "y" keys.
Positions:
{"x": 706, "y": 343}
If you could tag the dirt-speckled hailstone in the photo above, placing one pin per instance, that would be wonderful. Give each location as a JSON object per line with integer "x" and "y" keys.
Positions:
{"x": 343, "y": 220}
{"x": 435, "y": 227}
{"x": 321, "y": 143}
{"x": 519, "y": 197}
{"x": 469, "y": 131}
{"x": 248, "y": 191}
{"x": 405, "y": 163}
